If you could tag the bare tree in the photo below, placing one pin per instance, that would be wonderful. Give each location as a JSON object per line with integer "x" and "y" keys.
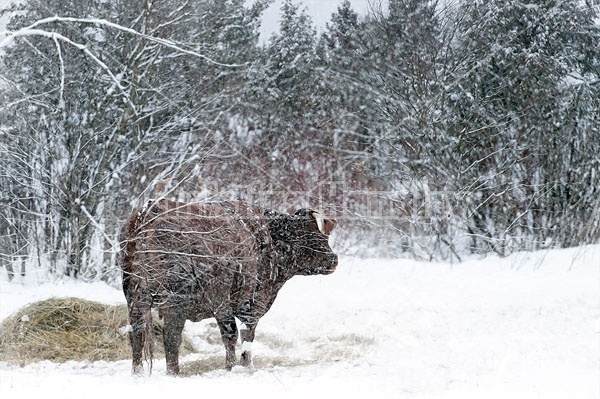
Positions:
{"x": 103, "y": 103}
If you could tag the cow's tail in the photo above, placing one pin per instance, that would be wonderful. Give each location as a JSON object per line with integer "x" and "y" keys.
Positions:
{"x": 148, "y": 339}
{"x": 139, "y": 299}
{"x": 141, "y": 334}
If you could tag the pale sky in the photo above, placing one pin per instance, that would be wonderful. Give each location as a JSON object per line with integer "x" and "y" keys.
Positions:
{"x": 319, "y": 10}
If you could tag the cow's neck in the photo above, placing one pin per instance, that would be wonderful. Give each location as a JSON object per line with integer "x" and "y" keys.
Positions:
{"x": 271, "y": 280}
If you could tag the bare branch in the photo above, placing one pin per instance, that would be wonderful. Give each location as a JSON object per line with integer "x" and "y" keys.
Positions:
{"x": 31, "y": 30}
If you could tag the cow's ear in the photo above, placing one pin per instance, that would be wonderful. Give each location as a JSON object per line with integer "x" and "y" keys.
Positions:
{"x": 328, "y": 226}
{"x": 325, "y": 226}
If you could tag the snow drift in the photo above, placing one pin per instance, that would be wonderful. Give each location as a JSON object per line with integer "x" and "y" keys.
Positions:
{"x": 525, "y": 326}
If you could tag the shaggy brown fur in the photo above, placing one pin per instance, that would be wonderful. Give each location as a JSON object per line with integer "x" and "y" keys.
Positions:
{"x": 221, "y": 260}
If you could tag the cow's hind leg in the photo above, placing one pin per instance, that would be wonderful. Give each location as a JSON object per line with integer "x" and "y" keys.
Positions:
{"x": 137, "y": 338}
{"x": 173, "y": 327}
{"x": 229, "y": 334}
{"x": 140, "y": 322}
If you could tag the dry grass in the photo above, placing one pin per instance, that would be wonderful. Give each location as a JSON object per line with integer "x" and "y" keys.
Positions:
{"x": 63, "y": 329}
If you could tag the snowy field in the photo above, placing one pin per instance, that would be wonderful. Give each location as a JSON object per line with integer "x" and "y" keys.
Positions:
{"x": 523, "y": 327}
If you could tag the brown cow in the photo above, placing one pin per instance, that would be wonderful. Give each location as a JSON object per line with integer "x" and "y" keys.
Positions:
{"x": 221, "y": 260}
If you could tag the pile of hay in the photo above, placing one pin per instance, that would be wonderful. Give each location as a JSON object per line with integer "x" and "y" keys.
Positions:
{"x": 62, "y": 329}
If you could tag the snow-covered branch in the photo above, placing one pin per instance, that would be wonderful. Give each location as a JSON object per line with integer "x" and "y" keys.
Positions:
{"x": 33, "y": 30}
{"x": 56, "y": 37}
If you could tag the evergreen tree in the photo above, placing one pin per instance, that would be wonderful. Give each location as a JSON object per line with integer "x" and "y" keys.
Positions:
{"x": 346, "y": 96}
{"x": 287, "y": 83}
{"x": 507, "y": 124}
{"x": 402, "y": 49}
{"x": 291, "y": 60}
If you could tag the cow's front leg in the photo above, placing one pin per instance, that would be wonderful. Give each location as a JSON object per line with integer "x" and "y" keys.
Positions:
{"x": 229, "y": 334}
{"x": 247, "y": 335}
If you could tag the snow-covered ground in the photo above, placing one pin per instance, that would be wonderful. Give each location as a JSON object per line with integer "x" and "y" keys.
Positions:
{"x": 527, "y": 326}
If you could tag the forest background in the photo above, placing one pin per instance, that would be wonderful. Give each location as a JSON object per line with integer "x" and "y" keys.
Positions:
{"x": 429, "y": 129}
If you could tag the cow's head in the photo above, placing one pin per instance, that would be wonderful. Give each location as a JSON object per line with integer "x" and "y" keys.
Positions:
{"x": 301, "y": 242}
